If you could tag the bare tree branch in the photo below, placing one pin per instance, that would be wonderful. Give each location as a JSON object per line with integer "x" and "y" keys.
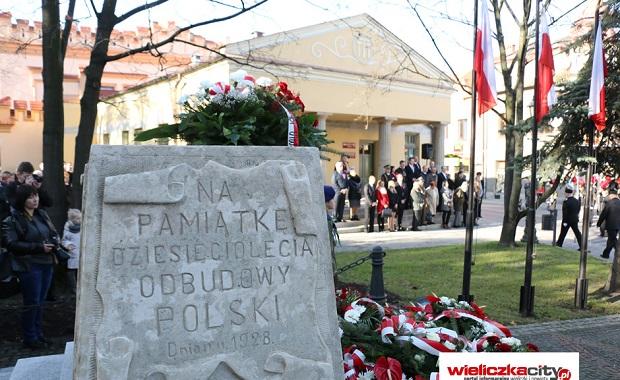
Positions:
{"x": 92, "y": 4}
{"x": 512, "y": 13}
{"x": 66, "y": 31}
{"x": 172, "y": 37}
{"x": 139, "y": 9}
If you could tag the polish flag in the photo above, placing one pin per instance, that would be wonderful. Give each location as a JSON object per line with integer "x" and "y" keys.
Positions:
{"x": 596, "y": 106}
{"x": 484, "y": 63}
{"x": 546, "y": 96}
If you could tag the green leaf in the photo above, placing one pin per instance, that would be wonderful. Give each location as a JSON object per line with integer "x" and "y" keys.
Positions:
{"x": 164, "y": 130}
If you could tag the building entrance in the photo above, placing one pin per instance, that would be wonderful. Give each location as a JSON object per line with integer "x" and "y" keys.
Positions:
{"x": 366, "y": 160}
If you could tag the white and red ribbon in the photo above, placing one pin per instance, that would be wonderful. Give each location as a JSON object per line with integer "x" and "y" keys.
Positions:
{"x": 293, "y": 129}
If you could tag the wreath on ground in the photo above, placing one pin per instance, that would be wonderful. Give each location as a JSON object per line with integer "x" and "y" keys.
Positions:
{"x": 394, "y": 342}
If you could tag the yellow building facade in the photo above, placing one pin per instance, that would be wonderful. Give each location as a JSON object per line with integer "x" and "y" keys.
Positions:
{"x": 378, "y": 99}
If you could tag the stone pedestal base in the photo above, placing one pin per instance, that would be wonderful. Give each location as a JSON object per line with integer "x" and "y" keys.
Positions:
{"x": 50, "y": 367}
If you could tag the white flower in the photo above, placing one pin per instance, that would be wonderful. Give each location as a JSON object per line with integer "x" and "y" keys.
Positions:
{"x": 340, "y": 332}
{"x": 418, "y": 358}
{"x": 485, "y": 344}
{"x": 369, "y": 375}
{"x": 433, "y": 336}
{"x": 264, "y": 82}
{"x": 449, "y": 346}
{"x": 463, "y": 304}
{"x": 511, "y": 341}
{"x": 182, "y": 99}
{"x": 352, "y": 316}
{"x": 206, "y": 84}
{"x": 445, "y": 300}
{"x": 238, "y": 75}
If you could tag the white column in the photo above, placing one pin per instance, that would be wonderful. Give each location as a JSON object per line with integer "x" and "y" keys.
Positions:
{"x": 322, "y": 125}
{"x": 385, "y": 143}
{"x": 322, "y": 118}
{"x": 439, "y": 137}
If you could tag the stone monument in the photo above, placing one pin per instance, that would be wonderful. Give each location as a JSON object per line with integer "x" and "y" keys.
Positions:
{"x": 205, "y": 262}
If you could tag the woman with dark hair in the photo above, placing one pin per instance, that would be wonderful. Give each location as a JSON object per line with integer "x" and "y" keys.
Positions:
{"x": 30, "y": 236}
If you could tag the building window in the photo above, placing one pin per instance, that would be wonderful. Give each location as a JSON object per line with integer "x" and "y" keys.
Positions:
{"x": 135, "y": 133}
{"x": 125, "y": 137}
{"x": 462, "y": 128}
{"x": 106, "y": 139}
{"x": 411, "y": 144}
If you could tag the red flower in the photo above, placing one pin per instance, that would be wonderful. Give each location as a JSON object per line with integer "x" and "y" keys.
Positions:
{"x": 315, "y": 123}
{"x": 283, "y": 86}
{"x": 388, "y": 369}
{"x": 432, "y": 298}
{"x": 389, "y": 311}
{"x": 532, "y": 347}
{"x": 300, "y": 103}
{"x": 414, "y": 309}
{"x": 478, "y": 310}
{"x": 503, "y": 347}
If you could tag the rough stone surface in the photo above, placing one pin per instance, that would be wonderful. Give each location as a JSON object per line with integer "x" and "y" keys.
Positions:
{"x": 39, "y": 368}
{"x": 205, "y": 263}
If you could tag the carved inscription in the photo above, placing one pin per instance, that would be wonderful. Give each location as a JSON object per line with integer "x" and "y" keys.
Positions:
{"x": 211, "y": 273}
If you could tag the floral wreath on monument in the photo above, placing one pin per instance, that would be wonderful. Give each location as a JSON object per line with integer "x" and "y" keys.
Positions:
{"x": 394, "y": 343}
{"x": 245, "y": 111}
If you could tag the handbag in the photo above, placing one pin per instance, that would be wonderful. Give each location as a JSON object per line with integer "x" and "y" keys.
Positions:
{"x": 386, "y": 213}
{"x": 62, "y": 255}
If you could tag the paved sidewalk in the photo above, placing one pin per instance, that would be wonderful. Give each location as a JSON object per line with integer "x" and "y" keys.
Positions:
{"x": 596, "y": 340}
{"x": 489, "y": 230}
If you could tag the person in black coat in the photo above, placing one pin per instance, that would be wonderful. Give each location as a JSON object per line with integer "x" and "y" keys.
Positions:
{"x": 611, "y": 217}
{"x": 24, "y": 176}
{"x": 402, "y": 202}
{"x": 32, "y": 239}
{"x": 570, "y": 217}
{"x": 371, "y": 201}
{"x": 342, "y": 187}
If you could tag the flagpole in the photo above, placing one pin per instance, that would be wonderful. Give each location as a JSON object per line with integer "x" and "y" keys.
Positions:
{"x": 526, "y": 305}
{"x": 581, "y": 286}
{"x": 469, "y": 220}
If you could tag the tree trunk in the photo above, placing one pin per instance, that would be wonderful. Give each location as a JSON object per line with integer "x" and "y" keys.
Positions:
{"x": 90, "y": 98}
{"x": 53, "y": 113}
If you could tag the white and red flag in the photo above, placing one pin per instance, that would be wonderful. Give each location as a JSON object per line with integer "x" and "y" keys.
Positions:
{"x": 546, "y": 96}
{"x": 596, "y": 106}
{"x": 484, "y": 64}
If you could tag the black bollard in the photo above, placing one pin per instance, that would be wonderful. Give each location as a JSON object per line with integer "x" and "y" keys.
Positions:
{"x": 377, "y": 289}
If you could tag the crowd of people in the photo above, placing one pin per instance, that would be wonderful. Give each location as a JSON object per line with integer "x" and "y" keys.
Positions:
{"x": 32, "y": 248}
{"x": 410, "y": 186}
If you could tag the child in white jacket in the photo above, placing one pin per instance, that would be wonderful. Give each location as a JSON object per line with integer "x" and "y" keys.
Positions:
{"x": 71, "y": 240}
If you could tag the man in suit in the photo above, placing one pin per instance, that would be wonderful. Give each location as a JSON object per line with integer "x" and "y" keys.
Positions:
{"x": 611, "y": 217}
{"x": 402, "y": 165}
{"x": 371, "y": 202}
{"x": 387, "y": 175}
{"x": 570, "y": 217}
{"x": 342, "y": 186}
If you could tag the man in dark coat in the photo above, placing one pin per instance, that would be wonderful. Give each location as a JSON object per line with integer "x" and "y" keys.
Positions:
{"x": 387, "y": 175}
{"x": 371, "y": 202}
{"x": 611, "y": 217}
{"x": 570, "y": 217}
{"x": 342, "y": 186}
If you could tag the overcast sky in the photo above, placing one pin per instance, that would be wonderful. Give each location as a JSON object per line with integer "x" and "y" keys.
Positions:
{"x": 447, "y": 19}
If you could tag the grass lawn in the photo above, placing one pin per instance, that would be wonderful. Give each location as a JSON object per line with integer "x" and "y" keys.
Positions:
{"x": 496, "y": 279}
